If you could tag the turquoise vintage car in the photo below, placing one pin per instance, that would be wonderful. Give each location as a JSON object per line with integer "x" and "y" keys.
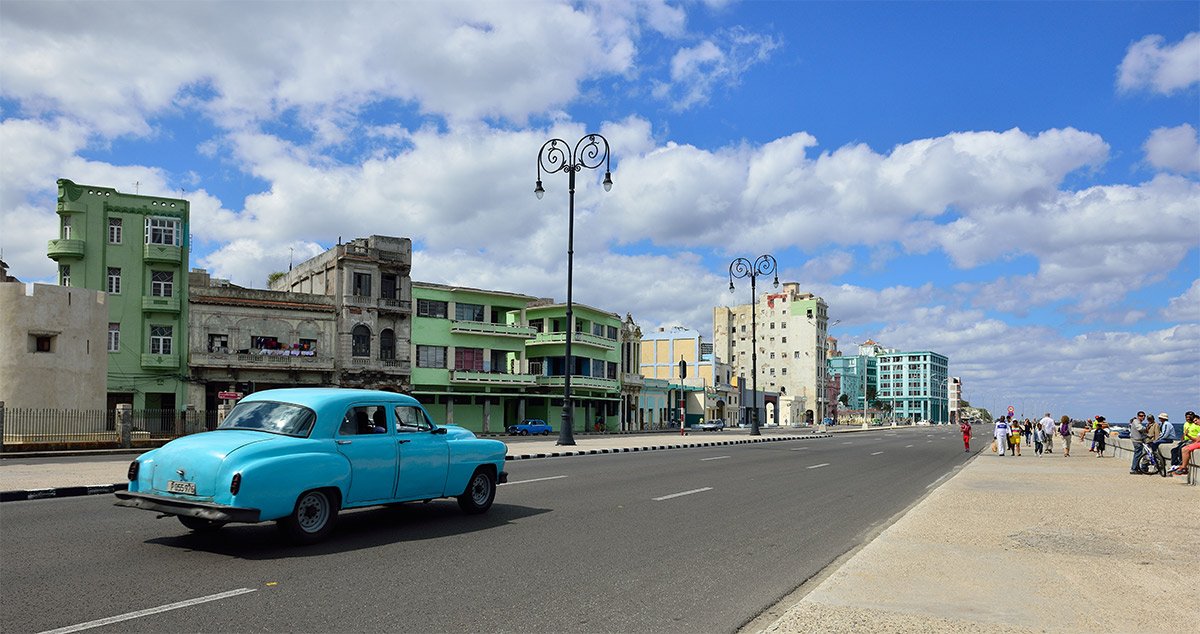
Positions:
{"x": 299, "y": 455}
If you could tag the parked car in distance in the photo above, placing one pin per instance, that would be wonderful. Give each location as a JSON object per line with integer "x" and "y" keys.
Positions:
{"x": 530, "y": 426}
{"x": 298, "y": 456}
{"x": 712, "y": 425}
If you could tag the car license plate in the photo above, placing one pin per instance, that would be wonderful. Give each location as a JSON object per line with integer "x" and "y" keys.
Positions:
{"x": 187, "y": 488}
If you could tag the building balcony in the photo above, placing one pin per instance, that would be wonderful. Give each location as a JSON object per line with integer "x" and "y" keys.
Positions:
{"x": 486, "y": 328}
{"x": 160, "y": 304}
{"x": 580, "y": 338}
{"x": 400, "y": 366}
{"x": 160, "y": 361}
{"x": 580, "y": 382}
{"x": 165, "y": 253}
{"x": 64, "y": 249}
{"x": 266, "y": 359}
{"x": 391, "y": 305}
{"x": 72, "y": 207}
{"x": 493, "y": 378}
{"x": 633, "y": 380}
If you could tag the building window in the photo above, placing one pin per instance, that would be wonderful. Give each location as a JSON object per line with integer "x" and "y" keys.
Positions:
{"x": 41, "y": 343}
{"x": 308, "y": 344}
{"x": 114, "y": 231}
{"x": 783, "y": 324}
{"x": 468, "y": 359}
{"x": 114, "y": 280}
{"x": 796, "y": 355}
{"x": 160, "y": 339}
{"x": 387, "y": 344}
{"x": 431, "y": 308}
{"x": 162, "y": 283}
{"x": 66, "y": 227}
{"x": 362, "y": 284}
{"x": 783, "y": 370}
{"x": 389, "y": 286}
{"x": 468, "y": 312}
{"x": 743, "y": 328}
{"x": 162, "y": 231}
{"x": 114, "y": 337}
{"x": 218, "y": 343}
{"x": 360, "y": 341}
{"x": 612, "y": 332}
{"x": 64, "y": 275}
{"x": 431, "y": 356}
{"x": 772, "y": 325}
{"x": 783, "y": 340}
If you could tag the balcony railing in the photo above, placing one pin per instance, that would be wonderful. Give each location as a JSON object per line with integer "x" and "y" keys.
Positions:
{"x": 160, "y": 304}
{"x": 487, "y": 328}
{"x": 581, "y": 382}
{"x": 492, "y": 378}
{"x": 64, "y": 249}
{"x": 162, "y": 253}
{"x": 580, "y": 338}
{"x": 389, "y": 304}
{"x": 390, "y": 365}
{"x": 160, "y": 361}
{"x": 300, "y": 361}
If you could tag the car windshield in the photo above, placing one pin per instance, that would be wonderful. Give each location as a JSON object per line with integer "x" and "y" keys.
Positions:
{"x": 271, "y": 416}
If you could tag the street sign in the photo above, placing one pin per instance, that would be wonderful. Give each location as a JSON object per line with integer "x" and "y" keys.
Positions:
{"x": 233, "y": 396}
{"x": 1010, "y": 409}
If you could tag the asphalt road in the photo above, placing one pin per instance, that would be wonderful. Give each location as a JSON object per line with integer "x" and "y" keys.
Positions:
{"x": 685, "y": 540}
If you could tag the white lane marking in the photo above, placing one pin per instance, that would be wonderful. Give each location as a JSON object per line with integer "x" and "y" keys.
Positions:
{"x": 818, "y": 466}
{"x": 147, "y": 612}
{"x": 533, "y": 480}
{"x": 876, "y": 453}
{"x": 932, "y": 484}
{"x": 675, "y": 495}
{"x": 714, "y": 458}
{"x": 798, "y": 449}
{"x": 907, "y": 446}
{"x": 847, "y": 443}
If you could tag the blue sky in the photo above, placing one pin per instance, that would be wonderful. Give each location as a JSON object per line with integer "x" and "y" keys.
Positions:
{"x": 1012, "y": 184}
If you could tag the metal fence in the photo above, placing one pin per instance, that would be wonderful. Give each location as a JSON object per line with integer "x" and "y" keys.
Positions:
{"x": 27, "y": 429}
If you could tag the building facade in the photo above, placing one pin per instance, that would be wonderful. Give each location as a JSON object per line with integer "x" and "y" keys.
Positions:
{"x": 52, "y": 354}
{"x": 631, "y": 378}
{"x": 954, "y": 397}
{"x": 915, "y": 385}
{"x": 134, "y": 248}
{"x": 244, "y": 340}
{"x": 596, "y": 359}
{"x": 792, "y": 329}
{"x": 369, "y": 281}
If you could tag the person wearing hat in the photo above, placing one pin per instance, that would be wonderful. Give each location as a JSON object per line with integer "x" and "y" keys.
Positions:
{"x": 1165, "y": 433}
{"x": 1100, "y": 436}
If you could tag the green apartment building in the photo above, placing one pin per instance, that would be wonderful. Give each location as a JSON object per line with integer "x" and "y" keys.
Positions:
{"x": 488, "y": 359}
{"x": 134, "y": 248}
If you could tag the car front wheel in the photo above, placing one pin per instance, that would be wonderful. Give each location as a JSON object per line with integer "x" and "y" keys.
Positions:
{"x": 480, "y": 493}
{"x": 312, "y": 519}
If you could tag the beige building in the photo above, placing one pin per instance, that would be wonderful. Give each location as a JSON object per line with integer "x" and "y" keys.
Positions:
{"x": 52, "y": 347}
{"x": 792, "y": 349}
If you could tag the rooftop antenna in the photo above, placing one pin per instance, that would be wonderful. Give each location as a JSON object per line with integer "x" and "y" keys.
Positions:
{"x": 137, "y": 186}
{"x": 290, "y": 251}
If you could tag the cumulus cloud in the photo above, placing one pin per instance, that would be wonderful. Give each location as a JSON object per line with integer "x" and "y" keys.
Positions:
{"x": 1175, "y": 149}
{"x": 1150, "y": 64}
{"x": 696, "y": 71}
{"x": 1185, "y": 307}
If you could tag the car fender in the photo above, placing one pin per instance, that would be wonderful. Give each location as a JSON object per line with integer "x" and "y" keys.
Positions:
{"x": 273, "y": 483}
{"x": 468, "y": 454}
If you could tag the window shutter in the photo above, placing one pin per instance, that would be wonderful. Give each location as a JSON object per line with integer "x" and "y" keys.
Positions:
{"x": 147, "y": 230}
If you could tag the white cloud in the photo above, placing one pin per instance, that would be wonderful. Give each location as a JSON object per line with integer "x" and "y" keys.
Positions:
{"x": 696, "y": 71}
{"x": 1151, "y": 65}
{"x": 828, "y": 266}
{"x": 1184, "y": 308}
{"x": 1175, "y": 149}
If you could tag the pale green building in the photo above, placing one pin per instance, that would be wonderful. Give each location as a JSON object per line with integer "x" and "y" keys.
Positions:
{"x": 135, "y": 249}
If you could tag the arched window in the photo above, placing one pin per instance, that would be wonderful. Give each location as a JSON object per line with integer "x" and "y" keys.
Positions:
{"x": 387, "y": 344}
{"x": 360, "y": 341}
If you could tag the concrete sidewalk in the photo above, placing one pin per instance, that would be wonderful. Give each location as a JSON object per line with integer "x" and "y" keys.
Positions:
{"x": 70, "y": 475}
{"x": 1078, "y": 532}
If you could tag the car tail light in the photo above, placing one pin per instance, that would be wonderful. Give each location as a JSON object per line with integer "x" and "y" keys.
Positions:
{"x": 133, "y": 470}
{"x": 236, "y": 484}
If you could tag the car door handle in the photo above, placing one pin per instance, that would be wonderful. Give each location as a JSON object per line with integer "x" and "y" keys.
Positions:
{"x": 342, "y": 442}
{"x": 401, "y": 442}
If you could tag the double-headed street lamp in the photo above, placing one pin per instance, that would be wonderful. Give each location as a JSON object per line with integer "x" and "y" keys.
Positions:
{"x": 557, "y": 155}
{"x": 743, "y": 268}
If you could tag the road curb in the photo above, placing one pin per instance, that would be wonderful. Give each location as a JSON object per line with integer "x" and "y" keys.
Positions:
{"x": 61, "y": 492}
{"x": 592, "y": 452}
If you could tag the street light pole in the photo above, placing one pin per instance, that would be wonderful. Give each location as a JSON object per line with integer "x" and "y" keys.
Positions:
{"x": 557, "y": 155}
{"x": 742, "y": 268}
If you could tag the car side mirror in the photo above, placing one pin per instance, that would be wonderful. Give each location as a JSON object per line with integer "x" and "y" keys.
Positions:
{"x": 439, "y": 430}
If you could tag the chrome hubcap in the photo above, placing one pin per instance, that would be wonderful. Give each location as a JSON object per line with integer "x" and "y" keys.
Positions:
{"x": 479, "y": 490}
{"x": 313, "y": 512}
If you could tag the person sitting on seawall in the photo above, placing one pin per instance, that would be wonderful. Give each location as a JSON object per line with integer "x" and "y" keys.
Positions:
{"x": 1191, "y": 433}
{"x": 1188, "y": 452}
{"x": 1165, "y": 435}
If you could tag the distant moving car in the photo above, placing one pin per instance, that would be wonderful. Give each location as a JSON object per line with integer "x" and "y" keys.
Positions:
{"x": 712, "y": 425}
{"x": 298, "y": 456}
{"x": 530, "y": 426}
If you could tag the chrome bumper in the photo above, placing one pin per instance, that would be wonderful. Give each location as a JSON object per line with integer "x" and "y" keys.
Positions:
{"x": 176, "y": 506}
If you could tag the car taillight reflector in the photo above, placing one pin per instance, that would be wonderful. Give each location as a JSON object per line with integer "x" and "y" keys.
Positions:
{"x": 133, "y": 470}
{"x": 236, "y": 484}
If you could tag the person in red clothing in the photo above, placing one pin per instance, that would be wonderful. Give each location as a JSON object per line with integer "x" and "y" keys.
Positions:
{"x": 965, "y": 428}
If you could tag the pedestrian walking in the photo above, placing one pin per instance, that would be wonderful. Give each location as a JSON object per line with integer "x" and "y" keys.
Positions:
{"x": 1100, "y": 436}
{"x": 1027, "y": 431}
{"x": 1039, "y": 439}
{"x": 1064, "y": 430}
{"x": 1000, "y": 436}
{"x": 965, "y": 428}
{"x": 1048, "y": 429}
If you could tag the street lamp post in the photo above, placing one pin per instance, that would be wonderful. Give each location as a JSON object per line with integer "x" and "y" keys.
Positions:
{"x": 742, "y": 268}
{"x": 557, "y": 155}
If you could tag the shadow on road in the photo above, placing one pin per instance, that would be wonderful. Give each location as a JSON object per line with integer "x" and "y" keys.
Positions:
{"x": 355, "y": 530}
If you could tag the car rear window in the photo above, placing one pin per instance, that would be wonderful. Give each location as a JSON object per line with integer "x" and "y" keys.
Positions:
{"x": 271, "y": 416}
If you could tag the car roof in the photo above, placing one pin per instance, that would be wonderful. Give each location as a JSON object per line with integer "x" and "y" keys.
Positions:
{"x": 320, "y": 397}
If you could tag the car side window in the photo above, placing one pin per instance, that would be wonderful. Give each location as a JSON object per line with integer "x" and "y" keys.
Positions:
{"x": 363, "y": 420}
{"x": 411, "y": 419}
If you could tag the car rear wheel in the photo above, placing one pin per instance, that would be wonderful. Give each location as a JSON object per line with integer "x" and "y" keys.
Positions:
{"x": 480, "y": 493}
{"x": 524, "y": 432}
{"x": 313, "y": 517}
{"x": 200, "y": 525}
{"x": 545, "y": 432}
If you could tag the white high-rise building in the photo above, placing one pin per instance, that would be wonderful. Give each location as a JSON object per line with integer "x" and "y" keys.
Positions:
{"x": 792, "y": 330}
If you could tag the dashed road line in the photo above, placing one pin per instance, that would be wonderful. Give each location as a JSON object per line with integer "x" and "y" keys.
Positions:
{"x": 818, "y": 466}
{"x": 147, "y": 612}
{"x": 876, "y": 453}
{"x": 533, "y": 480}
{"x": 714, "y": 458}
{"x": 675, "y": 495}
